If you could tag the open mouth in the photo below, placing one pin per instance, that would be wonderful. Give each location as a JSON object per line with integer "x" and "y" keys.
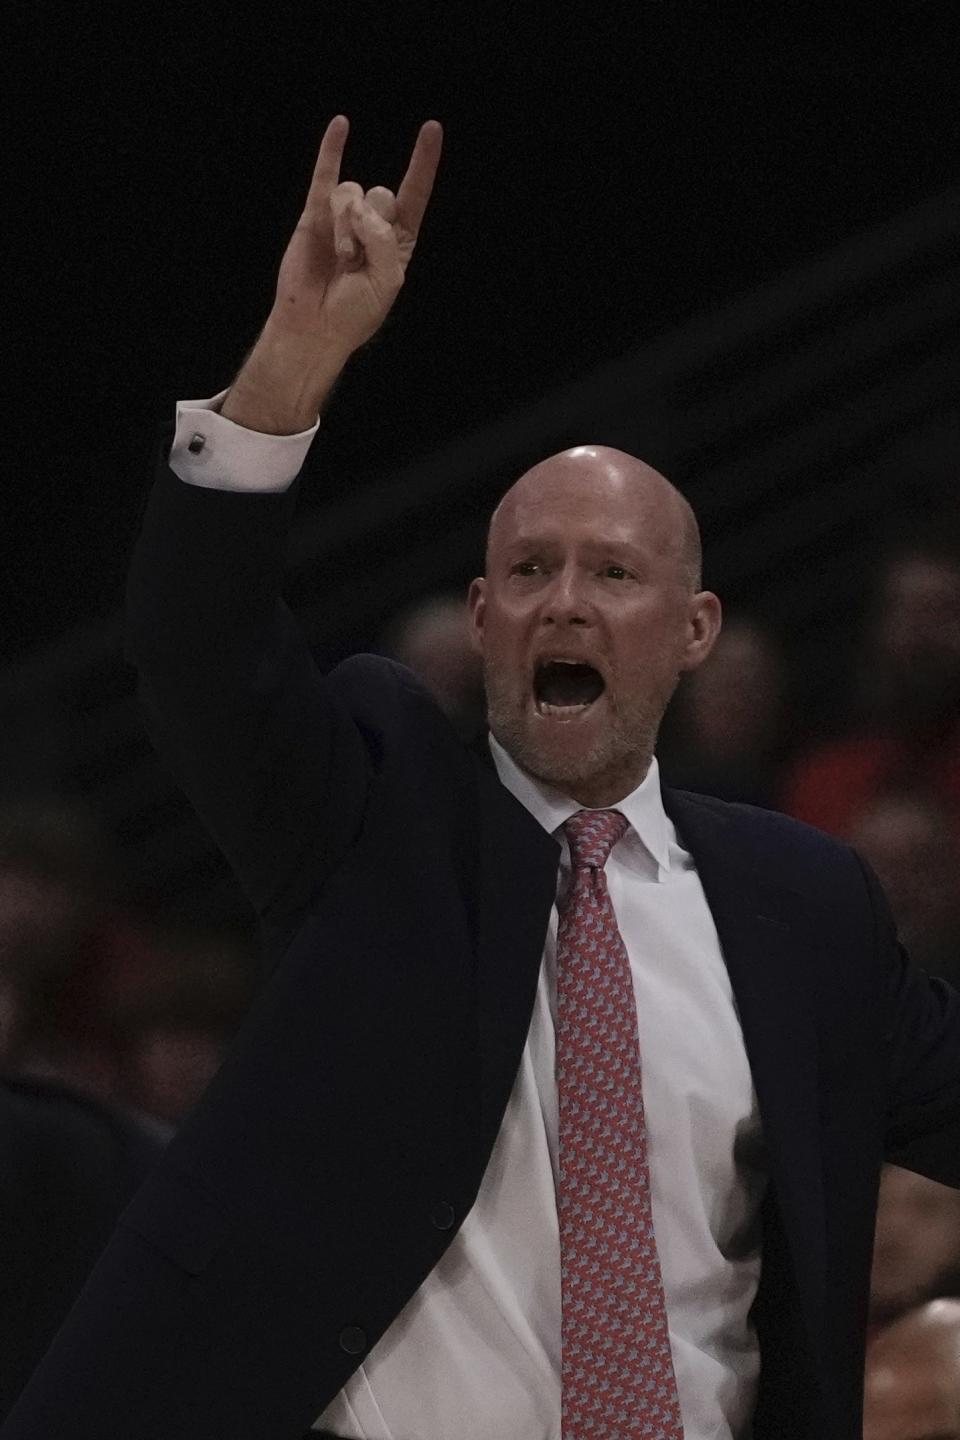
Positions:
{"x": 566, "y": 687}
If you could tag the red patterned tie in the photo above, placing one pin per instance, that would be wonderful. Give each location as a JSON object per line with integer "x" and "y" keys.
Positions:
{"x": 617, "y": 1369}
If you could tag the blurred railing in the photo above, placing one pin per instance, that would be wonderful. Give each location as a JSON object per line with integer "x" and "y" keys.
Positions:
{"x": 802, "y": 419}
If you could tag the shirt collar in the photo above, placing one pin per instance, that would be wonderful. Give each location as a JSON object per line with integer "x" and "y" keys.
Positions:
{"x": 643, "y": 807}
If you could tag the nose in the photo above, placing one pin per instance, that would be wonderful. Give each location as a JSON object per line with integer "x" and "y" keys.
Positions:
{"x": 564, "y": 602}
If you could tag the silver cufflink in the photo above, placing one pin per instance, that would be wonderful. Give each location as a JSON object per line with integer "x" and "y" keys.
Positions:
{"x": 197, "y": 443}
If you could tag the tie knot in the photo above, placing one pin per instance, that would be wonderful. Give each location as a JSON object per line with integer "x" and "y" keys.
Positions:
{"x": 592, "y": 835}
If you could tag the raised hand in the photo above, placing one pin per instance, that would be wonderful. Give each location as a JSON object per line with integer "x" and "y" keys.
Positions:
{"x": 339, "y": 277}
{"x": 348, "y": 255}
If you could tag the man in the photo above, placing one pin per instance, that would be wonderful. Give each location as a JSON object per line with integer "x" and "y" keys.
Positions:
{"x": 913, "y": 1377}
{"x": 432, "y": 638}
{"x": 493, "y": 1156}
{"x": 909, "y": 838}
{"x": 916, "y": 1251}
{"x": 904, "y": 728}
{"x": 728, "y": 722}
{"x": 70, "y": 1163}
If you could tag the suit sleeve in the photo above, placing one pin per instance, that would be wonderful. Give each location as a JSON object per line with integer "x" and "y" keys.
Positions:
{"x": 254, "y": 734}
{"x": 921, "y": 1039}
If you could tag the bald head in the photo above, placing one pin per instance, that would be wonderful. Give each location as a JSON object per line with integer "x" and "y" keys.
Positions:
{"x": 929, "y": 1330}
{"x": 606, "y": 477}
{"x": 913, "y": 1376}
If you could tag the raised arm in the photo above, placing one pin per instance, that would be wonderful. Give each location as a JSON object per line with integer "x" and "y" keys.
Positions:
{"x": 252, "y": 732}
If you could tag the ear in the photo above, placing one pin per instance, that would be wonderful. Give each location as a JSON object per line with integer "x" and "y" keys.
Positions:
{"x": 703, "y": 627}
{"x": 477, "y": 604}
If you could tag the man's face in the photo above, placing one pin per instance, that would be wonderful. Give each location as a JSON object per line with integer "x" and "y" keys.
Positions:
{"x": 920, "y": 619}
{"x": 917, "y": 1240}
{"x": 914, "y": 1401}
{"x": 918, "y": 638}
{"x": 734, "y": 700}
{"x": 584, "y": 621}
{"x": 910, "y": 845}
{"x": 912, "y": 1379}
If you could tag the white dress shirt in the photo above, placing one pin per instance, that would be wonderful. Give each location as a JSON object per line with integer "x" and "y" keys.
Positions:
{"x": 475, "y": 1353}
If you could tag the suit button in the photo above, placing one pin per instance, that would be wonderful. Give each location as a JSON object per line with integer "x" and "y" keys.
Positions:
{"x": 353, "y": 1340}
{"x": 442, "y": 1216}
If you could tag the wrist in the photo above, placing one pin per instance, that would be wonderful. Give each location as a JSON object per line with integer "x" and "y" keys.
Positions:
{"x": 284, "y": 382}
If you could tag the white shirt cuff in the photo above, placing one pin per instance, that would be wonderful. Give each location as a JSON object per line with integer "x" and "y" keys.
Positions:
{"x": 213, "y": 452}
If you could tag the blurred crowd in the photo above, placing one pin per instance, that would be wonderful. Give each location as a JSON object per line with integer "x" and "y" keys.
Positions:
{"x": 112, "y": 1026}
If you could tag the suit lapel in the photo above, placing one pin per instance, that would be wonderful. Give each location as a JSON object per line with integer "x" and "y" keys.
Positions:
{"x": 768, "y": 959}
{"x": 516, "y": 878}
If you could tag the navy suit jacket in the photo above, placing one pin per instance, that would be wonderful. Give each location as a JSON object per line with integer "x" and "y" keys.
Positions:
{"x": 403, "y": 895}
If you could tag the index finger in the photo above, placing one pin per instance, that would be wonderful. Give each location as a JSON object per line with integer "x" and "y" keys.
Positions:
{"x": 326, "y": 172}
{"x": 417, "y": 184}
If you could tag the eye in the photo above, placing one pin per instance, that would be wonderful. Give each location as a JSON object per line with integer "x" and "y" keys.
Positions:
{"x": 526, "y": 567}
{"x": 616, "y": 572}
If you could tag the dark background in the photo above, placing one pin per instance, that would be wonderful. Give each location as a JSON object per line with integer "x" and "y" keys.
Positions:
{"x": 608, "y": 172}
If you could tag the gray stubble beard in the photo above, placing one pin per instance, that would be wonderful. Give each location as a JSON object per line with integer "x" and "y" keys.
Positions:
{"x": 631, "y": 745}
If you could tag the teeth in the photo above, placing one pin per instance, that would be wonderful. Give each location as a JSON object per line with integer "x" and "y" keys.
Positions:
{"x": 545, "y": 708}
